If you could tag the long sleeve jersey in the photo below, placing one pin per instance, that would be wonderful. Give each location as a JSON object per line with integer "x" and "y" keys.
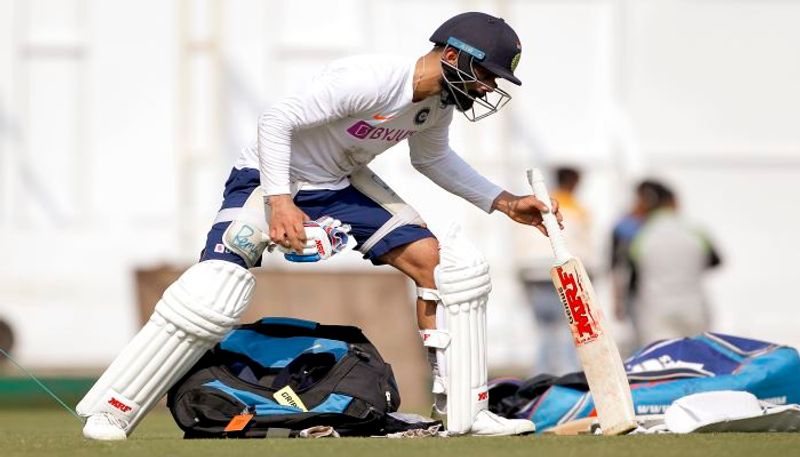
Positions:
{"x": 355, "y": 109}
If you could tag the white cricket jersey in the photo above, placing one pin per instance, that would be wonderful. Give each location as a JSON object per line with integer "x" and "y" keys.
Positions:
{"x": 355, "y": 109}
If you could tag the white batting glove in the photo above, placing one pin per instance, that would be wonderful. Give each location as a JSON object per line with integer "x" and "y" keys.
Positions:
{"x": 325, "y": 237}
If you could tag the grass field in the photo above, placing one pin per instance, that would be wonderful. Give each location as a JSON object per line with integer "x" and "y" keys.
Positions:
{"x": 45, "y": 432}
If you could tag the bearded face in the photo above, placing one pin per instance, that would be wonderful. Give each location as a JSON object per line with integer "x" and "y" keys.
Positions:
{"x": 470, "y": 88}
{"x": 457, "y": 93}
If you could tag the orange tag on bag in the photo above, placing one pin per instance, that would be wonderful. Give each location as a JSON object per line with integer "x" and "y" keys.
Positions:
{"x": 238, "y": 423}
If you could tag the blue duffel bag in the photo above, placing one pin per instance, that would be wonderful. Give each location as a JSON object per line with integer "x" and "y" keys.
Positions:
{"x": 659, "y": 374}
{"x": 278, "y": 376}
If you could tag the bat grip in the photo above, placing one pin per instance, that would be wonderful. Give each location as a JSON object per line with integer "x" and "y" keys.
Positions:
{"x": 536, "y": 180}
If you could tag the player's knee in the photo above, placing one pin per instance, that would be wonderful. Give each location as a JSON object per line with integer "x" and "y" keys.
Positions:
{"x": 417, "y": 260}
{"x": 428, "y": 256}
{"x": 208, "y": 299}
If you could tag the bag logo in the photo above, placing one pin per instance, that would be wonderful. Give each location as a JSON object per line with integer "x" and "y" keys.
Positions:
{"x": 287, "y": 397}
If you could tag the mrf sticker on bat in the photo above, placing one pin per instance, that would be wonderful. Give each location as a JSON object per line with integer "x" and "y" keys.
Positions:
{"x": 575, "y": 299}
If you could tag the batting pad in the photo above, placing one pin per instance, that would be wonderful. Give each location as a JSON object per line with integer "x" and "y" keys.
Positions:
{"x": 462, "y": 278}
{"x": 195, "y": 313}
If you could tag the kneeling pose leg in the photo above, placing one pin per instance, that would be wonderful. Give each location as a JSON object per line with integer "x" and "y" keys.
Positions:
{"x": 194, "y": 313}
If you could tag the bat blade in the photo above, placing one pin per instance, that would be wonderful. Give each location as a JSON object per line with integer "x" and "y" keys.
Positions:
{"x": 598, "y": 353}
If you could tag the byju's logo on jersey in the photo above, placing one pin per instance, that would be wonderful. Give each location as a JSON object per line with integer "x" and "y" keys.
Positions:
{"x": 360, "y": 129}
{"x": 363, "y": 131}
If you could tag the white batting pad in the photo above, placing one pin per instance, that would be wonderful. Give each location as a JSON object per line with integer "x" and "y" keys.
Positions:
{"x": 195, "y": 313}
{"x": 462, "y": 278}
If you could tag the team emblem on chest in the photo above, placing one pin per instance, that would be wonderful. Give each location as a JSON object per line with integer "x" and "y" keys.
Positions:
{"x": 422, "y": 116}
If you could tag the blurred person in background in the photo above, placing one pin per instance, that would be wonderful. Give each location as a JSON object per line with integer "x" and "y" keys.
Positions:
{"x": 556, "y": 352}
{"x": 648, "y": 196}
{"x": 671, "y": 258}
{"x": 304, "y": 176}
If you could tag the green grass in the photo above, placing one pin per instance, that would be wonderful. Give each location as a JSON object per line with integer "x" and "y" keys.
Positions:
{"x": 50, "y": 433}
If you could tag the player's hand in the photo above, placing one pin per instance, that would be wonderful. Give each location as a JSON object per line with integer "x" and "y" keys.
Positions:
{"x": 286, "y": 223}
{"x": 326, "y": 237}
{"x": 526, "y": 209}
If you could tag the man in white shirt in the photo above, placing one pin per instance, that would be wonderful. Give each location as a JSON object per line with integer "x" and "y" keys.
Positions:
{"x": 671, "y": 258}
{"x": 308, "y": 165}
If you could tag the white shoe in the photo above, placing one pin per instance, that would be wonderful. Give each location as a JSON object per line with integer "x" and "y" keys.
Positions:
{"x": 488, "y": 423}
{"x": 104, "y": 427}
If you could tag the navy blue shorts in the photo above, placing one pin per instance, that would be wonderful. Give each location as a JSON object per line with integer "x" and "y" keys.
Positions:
{"x": 349, "y": 205}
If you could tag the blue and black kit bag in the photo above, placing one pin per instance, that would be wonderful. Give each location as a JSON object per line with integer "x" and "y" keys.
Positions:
{"x": 659, "y": 374}
{"x": 278, "y": 376}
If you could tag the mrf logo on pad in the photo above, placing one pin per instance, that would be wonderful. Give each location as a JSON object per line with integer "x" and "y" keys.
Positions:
{"x": 119, "y": 405}
{"x": 572, "y": 293}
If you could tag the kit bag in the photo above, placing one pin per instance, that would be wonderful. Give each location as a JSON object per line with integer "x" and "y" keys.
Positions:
{"x": 278, "y": 376}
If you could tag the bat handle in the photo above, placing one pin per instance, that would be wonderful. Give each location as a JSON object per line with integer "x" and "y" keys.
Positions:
{"x": 536, "y": 180}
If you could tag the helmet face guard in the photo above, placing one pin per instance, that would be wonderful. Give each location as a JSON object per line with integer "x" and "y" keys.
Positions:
{"x": 475, "y": 105}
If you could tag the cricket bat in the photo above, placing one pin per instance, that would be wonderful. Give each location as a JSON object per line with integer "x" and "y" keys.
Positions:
{"x": 597, "y": 350}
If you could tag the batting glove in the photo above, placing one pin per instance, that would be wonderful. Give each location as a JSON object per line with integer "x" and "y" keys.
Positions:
{"x": 325, "y": 237}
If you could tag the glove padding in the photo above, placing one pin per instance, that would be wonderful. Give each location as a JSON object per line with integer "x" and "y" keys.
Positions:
{"x": 325, "y": 237}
